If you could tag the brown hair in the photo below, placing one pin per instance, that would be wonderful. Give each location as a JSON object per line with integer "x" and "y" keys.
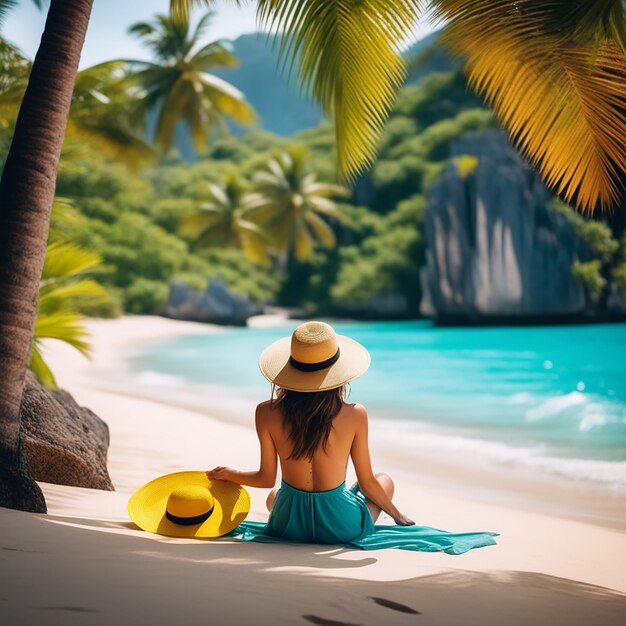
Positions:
{"x": 308, "y": 417}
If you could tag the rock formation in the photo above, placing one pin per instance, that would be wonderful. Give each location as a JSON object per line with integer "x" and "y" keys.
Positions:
{"x": 64, "y": 443}
{"x": 217, "y": 305}
{"x": 495, "y": 250}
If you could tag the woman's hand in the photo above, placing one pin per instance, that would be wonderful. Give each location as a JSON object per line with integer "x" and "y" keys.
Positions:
{"x": 403, "y": 520}
{"x": 220, "y": 473}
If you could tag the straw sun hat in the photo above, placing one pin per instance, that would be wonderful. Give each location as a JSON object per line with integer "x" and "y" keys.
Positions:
{"x": 314, "y": 358}
{"x": 189, "y": 504}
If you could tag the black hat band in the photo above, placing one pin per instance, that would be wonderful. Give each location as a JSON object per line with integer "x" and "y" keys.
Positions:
{"x": 314, "y": 367}
{"x": 189, "y": 521}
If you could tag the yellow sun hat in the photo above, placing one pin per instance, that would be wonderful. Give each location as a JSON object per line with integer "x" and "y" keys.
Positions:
{"x": 314, "y": 358}
{"x": 189, "y": 504}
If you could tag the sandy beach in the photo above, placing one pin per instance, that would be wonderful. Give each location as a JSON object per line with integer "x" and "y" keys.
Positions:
{"x": 86, "y": 563}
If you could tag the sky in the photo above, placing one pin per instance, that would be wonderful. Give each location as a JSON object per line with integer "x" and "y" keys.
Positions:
{"x": 107, "y": 37}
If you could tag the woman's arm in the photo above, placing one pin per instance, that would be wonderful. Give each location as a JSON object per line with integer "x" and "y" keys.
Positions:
{"x": 266, "y": 475}
{"x": 368, "y": 483}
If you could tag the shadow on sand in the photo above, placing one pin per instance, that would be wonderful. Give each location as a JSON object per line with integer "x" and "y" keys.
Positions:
{"x": 62, "y": 570}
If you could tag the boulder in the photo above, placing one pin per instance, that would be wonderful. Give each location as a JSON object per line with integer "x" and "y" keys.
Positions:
{"x": 495, "y": 250}
{"x": 216, "y": 305}
{"x": 64, "y": 443}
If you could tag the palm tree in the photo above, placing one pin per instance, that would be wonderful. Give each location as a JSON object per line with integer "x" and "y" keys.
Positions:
{"x": 289, "y": 203}
{"x": 223, "y": 222}
{"x": 26, "y": 193}
{"x": 552, "y": 71}
{"x": 178, "y": 84}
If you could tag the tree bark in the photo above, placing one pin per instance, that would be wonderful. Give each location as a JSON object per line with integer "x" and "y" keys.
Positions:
{"x": 26, "y": 194}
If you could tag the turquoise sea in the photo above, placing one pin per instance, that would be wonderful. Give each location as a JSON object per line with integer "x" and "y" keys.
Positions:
{"x": 549, "y": 398}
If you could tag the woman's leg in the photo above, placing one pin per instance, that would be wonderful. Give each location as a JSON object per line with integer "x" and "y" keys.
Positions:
{"x": 387, "y": 484}
{"x": 269, "y": 503}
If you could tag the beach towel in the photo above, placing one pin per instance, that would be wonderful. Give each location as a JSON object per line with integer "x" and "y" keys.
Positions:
{"x": 340, "y": 517}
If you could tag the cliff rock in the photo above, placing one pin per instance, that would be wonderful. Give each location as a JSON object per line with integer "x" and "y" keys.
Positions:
{"x": 494, "y": 249}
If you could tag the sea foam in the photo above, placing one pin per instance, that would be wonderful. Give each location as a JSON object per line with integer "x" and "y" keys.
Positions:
{"x": 418, "y": 437}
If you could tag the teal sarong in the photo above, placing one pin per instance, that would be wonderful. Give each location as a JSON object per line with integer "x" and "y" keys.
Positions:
{"x": 340, "y": 516}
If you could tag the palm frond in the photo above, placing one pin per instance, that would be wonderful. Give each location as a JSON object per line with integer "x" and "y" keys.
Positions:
{"x": 562, "y": 101}
{"x": 321, "y": 229}
{"x": 227, "y": 99}
{"x": 103, "y": 97}
{"x": 5, "y": 7}
{"x": 62, "y": 291}
{"x": 214, "y": 54}
{"x": 217, "y": 235}
{"x": 199, "y": 30}
{"x": 264, "y": 203}
{"x": 164, "y": 36}
{"x": 14, "y": 71}
{"x": 120, "y": 142}
{"x": 327, "y": 190}
{"x": 325, "y": 206}
{"x": 248, "y": 227}
{"x": 582, "y": 21}
{"x": 64, "y": 260}
{"x": 348, "y": 60}
{"x": 65, "y": 326}
{"x": 194, "y": 225}
{"x": 63, "y": 218}
{"x": 54, "y": 298}
{"x": 303, "y": 242}
{"x": 219, "y": 194}
{"x": 171, "y": 113}
{"x": 180, "y": 9}
{"x": 256, "y": 249}
{"x": 40, "y": 368}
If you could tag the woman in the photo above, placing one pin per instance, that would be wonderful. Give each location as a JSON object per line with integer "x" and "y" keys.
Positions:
{"x": 313, "y": 431}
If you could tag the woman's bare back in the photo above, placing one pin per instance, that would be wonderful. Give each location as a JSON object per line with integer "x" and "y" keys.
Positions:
{"x": 327, "y": 469}
{"x": 348, "y": 438}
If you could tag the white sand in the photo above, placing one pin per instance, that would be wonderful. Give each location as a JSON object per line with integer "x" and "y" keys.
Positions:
{"x": 85, "y": 562}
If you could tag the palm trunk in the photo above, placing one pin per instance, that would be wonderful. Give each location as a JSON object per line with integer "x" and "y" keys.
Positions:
{"x": 26, "y": 193}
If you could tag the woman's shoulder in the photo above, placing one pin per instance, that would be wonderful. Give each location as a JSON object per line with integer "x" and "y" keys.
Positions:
{"x": 354, "y": 408}
{"x": 266, "y": 408}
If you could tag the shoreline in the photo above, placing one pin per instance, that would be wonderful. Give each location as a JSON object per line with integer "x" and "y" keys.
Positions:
{"x": 85, "y": 555}
{"x": 516, "y": 485}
